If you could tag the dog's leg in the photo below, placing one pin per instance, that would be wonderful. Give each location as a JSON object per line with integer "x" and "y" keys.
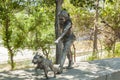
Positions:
{"x": 36, "y": 72}
{"x": 53, "y": 69}
{"x": 46, "y": 71}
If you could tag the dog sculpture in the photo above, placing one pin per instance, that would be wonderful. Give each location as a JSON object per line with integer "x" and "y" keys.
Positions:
{"x": 43, "y": 63}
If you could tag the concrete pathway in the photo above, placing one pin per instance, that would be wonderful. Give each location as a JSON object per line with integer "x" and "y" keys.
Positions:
{"x": 107, "y": 69}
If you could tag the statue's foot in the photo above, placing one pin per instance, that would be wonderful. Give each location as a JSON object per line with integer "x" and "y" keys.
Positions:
{"x": 60, "y": 70}
{"x": 69, "y": 67}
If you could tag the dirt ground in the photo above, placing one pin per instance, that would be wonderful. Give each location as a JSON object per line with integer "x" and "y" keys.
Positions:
{"x": 93, "y": 70}
{"x": 29, "y": 74}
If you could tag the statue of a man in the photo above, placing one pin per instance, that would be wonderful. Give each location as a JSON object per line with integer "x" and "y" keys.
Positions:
{"x": 67, "y": 39}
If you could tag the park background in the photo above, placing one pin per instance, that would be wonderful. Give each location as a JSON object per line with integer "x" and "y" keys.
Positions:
{"x": 29, "y": 25}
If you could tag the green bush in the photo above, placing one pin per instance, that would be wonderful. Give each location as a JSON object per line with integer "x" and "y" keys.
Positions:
{"x": 117, "y": 49}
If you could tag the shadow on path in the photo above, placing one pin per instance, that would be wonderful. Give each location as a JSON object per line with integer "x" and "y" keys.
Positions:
{"x": 81, "y": 71}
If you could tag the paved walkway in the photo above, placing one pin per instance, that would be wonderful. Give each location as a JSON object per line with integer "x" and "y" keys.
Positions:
{"x": 107, "y": 69}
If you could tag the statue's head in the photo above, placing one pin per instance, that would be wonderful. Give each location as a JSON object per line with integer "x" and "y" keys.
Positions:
{"x": 63, "y": 16}
{"x": 37, "y": 58}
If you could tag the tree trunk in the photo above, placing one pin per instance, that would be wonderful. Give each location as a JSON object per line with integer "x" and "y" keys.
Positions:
{"x": 7, "y": 39}
{"x": 11, "y": 58}
{"x": 95, "y": 50}
{"x": 58, "y": 31}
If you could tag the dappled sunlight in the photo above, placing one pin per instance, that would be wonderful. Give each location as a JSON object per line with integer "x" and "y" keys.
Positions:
{"x": 81, "y": 71}
{"x": 29, "y": 26}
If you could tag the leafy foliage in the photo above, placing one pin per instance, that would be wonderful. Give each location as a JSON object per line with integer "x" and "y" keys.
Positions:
{"x": 117, "y": 49}
{"x": 26, "y": 26}
{"x": 83, "y": 3}
{"x": 49, "y": 2}
{"x": 110, "y": 15}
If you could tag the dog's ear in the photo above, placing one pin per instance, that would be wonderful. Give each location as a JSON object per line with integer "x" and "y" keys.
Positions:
{"x": 36, "y": 53}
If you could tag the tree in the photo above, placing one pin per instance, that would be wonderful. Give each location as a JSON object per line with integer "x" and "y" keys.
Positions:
{"x": 39, "y": 21}
{"x": 58, "y": 31}
{"x": 89, "y": 5}
{"x": 95, "y": 50}
{"x": 110, "y": 18}
{"x": 7, "y": 10}
{"x": 26, "y": 25}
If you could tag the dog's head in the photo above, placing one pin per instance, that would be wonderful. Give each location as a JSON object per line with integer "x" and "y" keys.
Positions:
{"x": 37, "y": 58}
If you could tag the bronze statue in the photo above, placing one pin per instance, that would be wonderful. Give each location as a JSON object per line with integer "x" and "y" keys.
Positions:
{"x": 67, "y": 37}
{"x": 44, "y": 64}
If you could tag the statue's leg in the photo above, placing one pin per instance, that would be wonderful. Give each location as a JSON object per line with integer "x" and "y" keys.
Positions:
{"x": 70, "y": 57}
{"x": 63, "y": 57}
{"x": 70, "y": 60}
{"x": 66, "y": 50}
